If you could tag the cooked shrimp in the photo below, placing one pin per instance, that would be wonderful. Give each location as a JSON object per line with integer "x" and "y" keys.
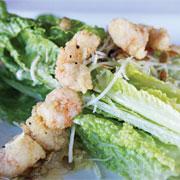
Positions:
{"x": 129, "y": 37}
{"x": 44, "y": 129}
{"x": 19, "y": 154}
{"x": 59, "y": 108}
{"x": 75, "y": 76}
{"x": 175, "y": 49}
{"x": 70, "y": 71}
{"x": 159, "y": 39}
{"x": 79, "y": 48}
{"x": 50, "y": 140}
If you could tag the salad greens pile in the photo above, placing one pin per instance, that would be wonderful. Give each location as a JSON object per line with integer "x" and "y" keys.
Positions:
{"x": 135, "y": 125}
{"x": 29, "y": 50}
{"x": 14, "y": 106}
{"x": 134, "y": 128}
{"x": 131, "y": 152}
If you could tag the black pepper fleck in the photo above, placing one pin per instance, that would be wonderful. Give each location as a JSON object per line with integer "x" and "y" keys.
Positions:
{"x": 45, "y": 132}
{"x": 3, "y": 146}
{"x": 29, "y": 123}
{"x": 77, "y": 46}
{"x": 76, "y": 63}
{"x": 70, "y": 56}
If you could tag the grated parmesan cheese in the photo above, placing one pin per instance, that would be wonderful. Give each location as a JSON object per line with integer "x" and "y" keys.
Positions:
{"x": 95, "y": 104}
{"x": 119, "y": 73}
{"x": 32, "y": 69}
{"x": 16, "y": 124}
{"x": 47, "y": 58}
{"x": 19, "y": 74}
{"x": 97, "y": 171}
{"x": 102, "y": 160}
{"x": 71, "y": 143}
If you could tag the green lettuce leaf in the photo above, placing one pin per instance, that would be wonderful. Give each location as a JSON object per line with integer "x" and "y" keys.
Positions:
{"x": 3, "y": 11}
{"x": 174, "y": 73}
{"x": 11, "y": 26}
{"x": 48, "y": 20}
{"x": 38, "y": 92}
{"x": 111, "y": 109}
{"x": 53, "y": 32}
{"x": 14, "y": 106}
{"x": 96, "y": 30}
{"x": 28, "y": 49}
{"x": 163, "y": 97}
{"x": 143, "y": 81}
{"x": 19, "y": 53}
{"x": 130, "y": 152}
{"x": 139, "y": 101}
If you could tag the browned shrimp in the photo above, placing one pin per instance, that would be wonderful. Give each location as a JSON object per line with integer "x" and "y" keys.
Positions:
{"x": 19, "y": 154}
{"x": 70, "y": 71}
{"x": 44, "y": 130}
{"x": 175, "y": 49}
{"x": 59, "y": 108}
{"x": 159, "y": 39}
{"x": 49, "y": 139}
{"x": 129, "y": 37}
{"x": 79, "y": 48}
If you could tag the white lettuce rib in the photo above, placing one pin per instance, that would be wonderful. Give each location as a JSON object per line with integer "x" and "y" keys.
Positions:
{"x": 160, "y": 132}
{"x": 147, "y": 105}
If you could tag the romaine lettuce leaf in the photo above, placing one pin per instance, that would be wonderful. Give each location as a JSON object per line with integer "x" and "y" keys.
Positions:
{"x": 11, "y": 26}
{"x": 132, "y": 153}
{"x": 20, "y": 53}
{"x": 28, "y": 49}
{"x": 143, "y": 81}
{"x": 139, "y": 101}
{"x": 48, "y": 20}
{"x": 14, "y": 106}
{"x": 110, "y": 109}
{"x": 174, "y": 73}
{"x": 38, "y": 92}
{"x": 96, "y": 30}
{"x": 53, "y": 32}
{"x": 3, "y": 11}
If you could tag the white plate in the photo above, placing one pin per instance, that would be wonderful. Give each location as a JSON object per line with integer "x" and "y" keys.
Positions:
{"x": 168, "y": 21}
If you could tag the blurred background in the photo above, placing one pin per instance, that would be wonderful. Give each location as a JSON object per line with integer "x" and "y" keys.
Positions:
{"x": 160, "y": 13}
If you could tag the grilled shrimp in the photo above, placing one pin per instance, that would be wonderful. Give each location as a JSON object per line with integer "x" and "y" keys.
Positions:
{"x": 19, "y": 154}
{"x": 50, "y": 140}
{"x": 70, "y": 71}
{"x": 59, "y": 108}
{"x": 129, "y": 37}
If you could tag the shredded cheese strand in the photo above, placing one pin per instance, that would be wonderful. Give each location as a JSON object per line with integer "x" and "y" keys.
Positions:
{"x": 97, "y": 171}
{"x": 118, "y": 74}
{"x": 32, "y": 69}
{"x": 47, "y": 58}
{"x": 95, "y": 104}
{"x": 71, "y": 143}
{"x": 16, "y": 124}
{"x": 102, "y": 160}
